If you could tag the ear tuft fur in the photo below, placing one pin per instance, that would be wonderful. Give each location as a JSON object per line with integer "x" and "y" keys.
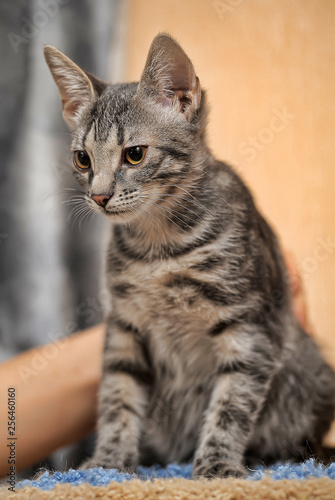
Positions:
{"x": 76, "y": 87}
{"x": 169, "y": 76}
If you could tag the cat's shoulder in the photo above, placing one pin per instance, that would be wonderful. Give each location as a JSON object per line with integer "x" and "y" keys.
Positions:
{"x": 230, "y": 182}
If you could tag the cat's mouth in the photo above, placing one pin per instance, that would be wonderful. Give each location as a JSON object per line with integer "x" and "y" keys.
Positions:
{"x": 112, "y": 212}
{"x": 116, "y": 212}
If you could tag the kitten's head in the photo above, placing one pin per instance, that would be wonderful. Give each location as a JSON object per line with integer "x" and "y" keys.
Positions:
{"x": 135, "y": 146}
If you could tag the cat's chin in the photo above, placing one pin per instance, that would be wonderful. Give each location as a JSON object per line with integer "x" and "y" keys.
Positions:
{"x": 114, "y": 215}
{"x": 118, "y": 216}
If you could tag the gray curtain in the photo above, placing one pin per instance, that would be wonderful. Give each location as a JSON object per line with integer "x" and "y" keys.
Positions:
{"x": 50, "y": 265}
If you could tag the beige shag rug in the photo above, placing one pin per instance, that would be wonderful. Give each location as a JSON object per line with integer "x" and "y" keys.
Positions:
{"x": 182, "y": 489}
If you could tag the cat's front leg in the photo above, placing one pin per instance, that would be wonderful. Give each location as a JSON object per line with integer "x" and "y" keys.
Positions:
{"x": 238, "y": 396}
{"x": 123, "y": 398}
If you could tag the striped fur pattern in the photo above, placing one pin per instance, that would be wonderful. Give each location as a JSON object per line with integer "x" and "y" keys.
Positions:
{"x": 203, "y": 357}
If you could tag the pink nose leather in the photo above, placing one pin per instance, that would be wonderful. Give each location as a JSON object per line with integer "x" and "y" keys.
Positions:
{"x": 101, "y": 199}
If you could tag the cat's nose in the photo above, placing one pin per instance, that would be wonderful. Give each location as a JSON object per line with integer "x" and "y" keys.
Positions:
{"x": 101, "y": 199}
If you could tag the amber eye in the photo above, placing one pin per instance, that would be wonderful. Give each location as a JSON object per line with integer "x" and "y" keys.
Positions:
{"x": 135, "y": 155}
{"x": 82, "y": 160}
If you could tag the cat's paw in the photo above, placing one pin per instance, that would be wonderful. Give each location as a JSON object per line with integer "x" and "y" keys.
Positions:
{"x": 219, "y": 470}
{"x": 90, "y": 463}
{"x": 129, "y": 465}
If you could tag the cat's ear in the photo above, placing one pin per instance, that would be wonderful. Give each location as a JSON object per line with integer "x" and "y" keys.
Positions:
{"x": 169, "y": 76}
{"x": 77, "y": 88}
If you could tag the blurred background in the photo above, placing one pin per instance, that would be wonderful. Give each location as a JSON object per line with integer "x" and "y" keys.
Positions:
{"x": 268, "y": 67}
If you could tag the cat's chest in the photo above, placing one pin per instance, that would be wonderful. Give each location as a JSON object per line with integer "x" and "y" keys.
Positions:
{"x": 164, "y": 294}
{"x": 157, "y": 300}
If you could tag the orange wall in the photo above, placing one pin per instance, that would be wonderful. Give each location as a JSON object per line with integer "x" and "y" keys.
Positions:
{"x": 260, "y": 60}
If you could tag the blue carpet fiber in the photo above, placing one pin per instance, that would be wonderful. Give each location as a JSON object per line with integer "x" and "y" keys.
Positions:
{"x": 102, "y": 477}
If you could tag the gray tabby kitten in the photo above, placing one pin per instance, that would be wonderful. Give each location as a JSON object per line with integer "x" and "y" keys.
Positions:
{"x": 203, "y": 355}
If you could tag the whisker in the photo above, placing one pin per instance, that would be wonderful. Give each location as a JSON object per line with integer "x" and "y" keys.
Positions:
{"x": 173, "y": 211}
{"x": 78, "y": 209}
{"x": 196, "y": 202}
{"x": 193, "y": 198}
{"x": 92, "y": 214}
{"x": 77, "y": 199}
{"x": 73, "y": 201}
{"x": 132, "y": 211}
{"x": 62, "y": 192}
{"x": 161, "y": 213}
{"x": 179, "y": 204}
{"x": 87, "y": 215}
{"x": 135, "y": 212}
{"x": 153, "y": 217}
{"x": 148, "y": 219}
{"x": 77, "y": 212}
{"x": 84, "y": 214}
